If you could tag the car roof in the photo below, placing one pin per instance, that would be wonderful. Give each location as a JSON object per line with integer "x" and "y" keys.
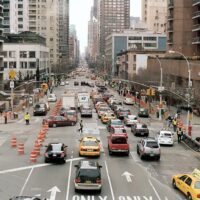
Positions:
{"x": 89, "y": 138}
{"x": 164, "y": 131}
{"x": 149, "y": 139}
{"x": 85, "y": 164}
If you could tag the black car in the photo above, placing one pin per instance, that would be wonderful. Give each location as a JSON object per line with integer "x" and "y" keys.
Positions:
{"x": 143, "y": 112}
{"x": 25, "y": 198}
{"x": 55, "y": 152}
{"x": 76, "y": 83}
{"x": 88, "y": 176}
{"x": 40, "y": 109}
{"x": 140, "y": 129}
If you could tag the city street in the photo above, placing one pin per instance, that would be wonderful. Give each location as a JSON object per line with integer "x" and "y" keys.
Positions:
{"x": 124, "y": 178}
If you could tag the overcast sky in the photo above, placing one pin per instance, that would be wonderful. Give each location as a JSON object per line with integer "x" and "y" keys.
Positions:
{"x": 80, "y": 14}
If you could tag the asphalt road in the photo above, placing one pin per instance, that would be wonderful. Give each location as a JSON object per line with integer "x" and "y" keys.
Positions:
{"x": 124, "y": 178}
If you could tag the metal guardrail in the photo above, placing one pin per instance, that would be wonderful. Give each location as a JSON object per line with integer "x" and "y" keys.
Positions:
{"x": 192, "y": 143}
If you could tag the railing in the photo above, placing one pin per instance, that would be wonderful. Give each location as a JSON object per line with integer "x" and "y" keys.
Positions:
{"x": 196, "y": 26}
{"x": 170, "y": 5}
{"x": 196, "y": 14}
{"x": 170, "y": 29}
{"x": 171, "y": 16}
{"x": 195, "y": 2}
{"x": 2, "y": 37}
{"x": 196, "y": 40}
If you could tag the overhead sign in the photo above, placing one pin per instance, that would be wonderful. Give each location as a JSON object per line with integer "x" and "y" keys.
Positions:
{"x": 12, "y": 74}
{"x": 12, "y": 85}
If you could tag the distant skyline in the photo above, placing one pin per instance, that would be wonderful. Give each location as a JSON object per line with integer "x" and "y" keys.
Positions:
{"x": 80, "y": 15}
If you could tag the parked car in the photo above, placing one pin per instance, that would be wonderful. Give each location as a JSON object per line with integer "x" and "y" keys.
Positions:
{"x": 114, "y": 123}
{"x": 89, "y": 146}
{"x": 52, "y": 98}
{"x": 165, "y": 137}
{"x": 130, "y": 120}
{"x": 55, "y": 121}
{"x": 143, "y": 112}
{"x": 55, "y": 152}
{"x": 123, "y": 112}
{"x": 40, "y": 109}
{"x": 148, "y": 147}
{"x": 140, "y": 129}
{"x": 88, "y": 176}
{"x": 118, "y": 144}
{"x": 86, "y": 111}
{"x": 128, "y": 101}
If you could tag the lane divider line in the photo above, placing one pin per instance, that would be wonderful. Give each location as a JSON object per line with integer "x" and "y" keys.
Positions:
{"x": 22, "y": 190}
{"x": 69, "y": 178}
{"x": 154, "y": 189}
{"x": 109, "y": 180}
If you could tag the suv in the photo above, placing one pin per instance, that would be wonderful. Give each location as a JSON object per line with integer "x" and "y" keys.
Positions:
{"x": 40, "y": 109}
{"x": 140, "y": 129}
{"x": 86, "y": 111}
{"x": 88, "y": 176}
{"x": 117, "y": 143}
{"x": 148, "y": 147}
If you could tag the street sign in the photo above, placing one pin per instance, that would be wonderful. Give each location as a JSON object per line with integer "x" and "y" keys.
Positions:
{"x": 12, "y": 74}
{"x": 12, "y": 85}
{"x": 161, "y": 89}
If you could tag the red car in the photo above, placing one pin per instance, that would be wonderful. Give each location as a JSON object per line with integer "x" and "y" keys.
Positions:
{"x": 118, "y": 144}
{"x": 71, "y": 116}
{"x": 55, "y": 121}
{"x": 118, "y": 131}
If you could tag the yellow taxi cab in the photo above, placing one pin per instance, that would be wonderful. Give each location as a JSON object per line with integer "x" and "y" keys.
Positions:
{"x": 89, "y": 146}
{"x": 107, "y": 116}
{"x": 189, "y": 184}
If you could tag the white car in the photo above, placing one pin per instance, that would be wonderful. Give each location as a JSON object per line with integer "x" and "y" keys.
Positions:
{"x": 130, "y": 120}
{"x": 128, "y": 101}
{"x": 165, "y": 137}
{"x": 52, "y": 98}
{"x": 62, "y": 83}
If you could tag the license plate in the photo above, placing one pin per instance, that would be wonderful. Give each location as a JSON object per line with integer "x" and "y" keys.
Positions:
{"x": 151, "y": 154}
{"x": 54, "y": 155}
{"x": 142, "y": 133}
{"x": 87, "y": 181}
{"x": 89, "y": 150}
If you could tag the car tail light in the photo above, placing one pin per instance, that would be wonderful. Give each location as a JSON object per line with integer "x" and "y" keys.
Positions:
{"x": 77, "y": 180}
{"x": 62, "y": 154}
{"x": 98, "y": 180}
{"x": 98, "y": 149}
{"x": 46, "y": 155}
{"x": 198, "y": 196}
{"x": 82, "y": 149}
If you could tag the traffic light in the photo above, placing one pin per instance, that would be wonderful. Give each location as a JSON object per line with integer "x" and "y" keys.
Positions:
{"x": 148, "y": 92}
{"x": 153, "y": 92}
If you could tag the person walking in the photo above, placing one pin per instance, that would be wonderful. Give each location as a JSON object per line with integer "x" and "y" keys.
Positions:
{"x": 27, "y": 118}
{"x": 5, "y": 118}
{"x": 169, "y": 119}
{"x": 81, "y": 126}
{"x": 179, "y": 134}
{"x": 174, "y": 123}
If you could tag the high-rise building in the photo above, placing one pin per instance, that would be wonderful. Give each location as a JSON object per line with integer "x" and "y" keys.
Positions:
{"x": 64, "y": 31}
{"x": 154, "y": 14}
{"x": 114, "y": 16}
{"x": 180, "y": 26}
{"x": 1, "y": 45}
{"x": 44, "y": 20}
{"x": 15, "y": 16}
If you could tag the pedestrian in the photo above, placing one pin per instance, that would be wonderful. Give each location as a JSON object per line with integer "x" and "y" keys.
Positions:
{"x": 81, "y": 126}
{"x": 5, "y": 118}
{"x": 169, "y": 119}
{"x": 27, "y": 118}
{"x": 174, "y": 123}
{"x": 179, "y": 134}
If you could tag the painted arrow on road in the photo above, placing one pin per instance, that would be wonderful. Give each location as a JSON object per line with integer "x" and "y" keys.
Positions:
{"x": 53, "y": 191}
{"x": 128, "y": 176}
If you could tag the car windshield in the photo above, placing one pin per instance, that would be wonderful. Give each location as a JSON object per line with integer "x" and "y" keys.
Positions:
{"x": 55, "y": 147}
{"x": 152, "y": 144}
{"x": 197, "y": 185}
{"x": 116, "y": 122}
{"x": 119, "y": 140}
{"x": 90, "y": 143}
{"x": 70, "y": 112}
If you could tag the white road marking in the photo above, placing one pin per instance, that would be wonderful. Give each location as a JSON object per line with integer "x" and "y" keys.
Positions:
{"x": 33, "y": 166}
{"x": 22, "y": 190}
{"x": 154, "y": 189}
{"x": 69, "y": 179}
{"x": 135, "y": 156}
{"x": 53, "y": 191}
{"x": 109, "y": 180}
{"x": 128, "y": 176}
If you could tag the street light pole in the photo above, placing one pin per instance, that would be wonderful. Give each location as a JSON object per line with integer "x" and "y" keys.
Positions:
{"x": 161, "y": 84}
{"x": 189, "y": 86}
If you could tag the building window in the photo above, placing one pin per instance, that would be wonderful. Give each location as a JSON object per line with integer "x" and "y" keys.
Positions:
{"x": 5, "y": 65}
{"x": 23, "y": 65}
{"x": 51, "y": 39}
{"x": 32, "y": 65}
{"x": 23, "y": 54}
{"x": 11, "y": 54}
{"x": 5, "y": 54}
{"x": 134, "y": 58}
{"x": 20, "y": 26}
{"x": 31, "y": 54}
{"x": 150, "y": 38}
{"x": 150, "y": 44}
{"x": 20, "y": 12}
{"x": 20, "y": 5}
{"x": 12, "y": 65}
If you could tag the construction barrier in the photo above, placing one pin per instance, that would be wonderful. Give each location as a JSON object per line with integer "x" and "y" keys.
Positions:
{"x": 20, "y": 148}
{"x": 37, "y": 148}
{"x": 33, "y": 157}
{"x": 13, "y": 142}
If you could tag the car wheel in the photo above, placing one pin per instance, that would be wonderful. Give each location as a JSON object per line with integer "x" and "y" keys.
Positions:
{"x": 109, "y": 151}
{"x": 54, "y": 125}
{"x": 63, "y": 161}
{"x": 138, "y": 151}
{"x": 127, "y": 154}
{"x": 158, "y": 158}
{"x": 76, "y": 190}
{"x": 174, "y": 184}
{"x": 46, "y": 160}
{"x": 189, "y": 197}
{"x": 141, "y": 156}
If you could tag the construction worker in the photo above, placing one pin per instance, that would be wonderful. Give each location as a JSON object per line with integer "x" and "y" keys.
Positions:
{"x": 174, "y": 123}
{"x": 27, "y": 118}
{"x": 179, "y": 134}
